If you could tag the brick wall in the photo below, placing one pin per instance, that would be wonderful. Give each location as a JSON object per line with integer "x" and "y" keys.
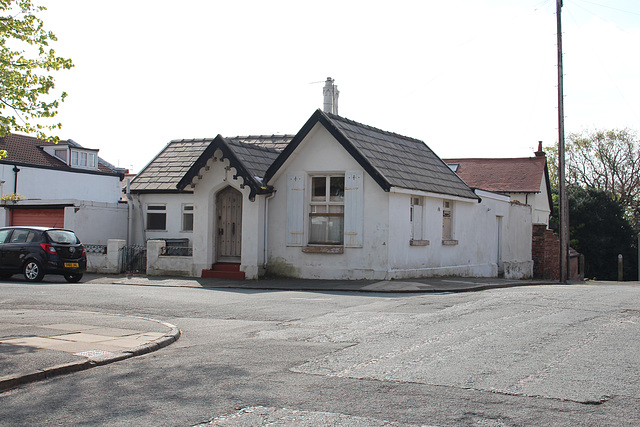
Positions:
{"x": 545, "y": 251}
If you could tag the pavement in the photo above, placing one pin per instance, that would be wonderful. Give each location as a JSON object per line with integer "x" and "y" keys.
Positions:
{"x": 40, "y": 344}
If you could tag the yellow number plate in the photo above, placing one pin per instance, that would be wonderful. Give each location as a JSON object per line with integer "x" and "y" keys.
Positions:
{"x": 71, "y": 264}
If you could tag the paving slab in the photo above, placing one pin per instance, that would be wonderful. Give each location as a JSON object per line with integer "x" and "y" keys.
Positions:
{"x": 39, "y": 344}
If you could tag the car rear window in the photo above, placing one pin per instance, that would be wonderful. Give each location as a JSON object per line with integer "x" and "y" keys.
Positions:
{"x": 62, "y": 236}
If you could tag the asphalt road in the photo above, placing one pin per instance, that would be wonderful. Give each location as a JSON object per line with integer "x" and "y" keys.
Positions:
{"x": 539, "y": 355}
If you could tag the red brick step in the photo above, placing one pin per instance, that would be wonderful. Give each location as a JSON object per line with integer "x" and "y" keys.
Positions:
{"x": 224, "y": 270}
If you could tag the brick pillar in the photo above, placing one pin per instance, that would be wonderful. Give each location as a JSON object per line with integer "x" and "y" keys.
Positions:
{"x": 545, "y": 251}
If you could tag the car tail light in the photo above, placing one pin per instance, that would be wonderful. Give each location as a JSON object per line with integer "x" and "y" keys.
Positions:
{"x": 84, "y": 252}
{"x": 48, "y": 248}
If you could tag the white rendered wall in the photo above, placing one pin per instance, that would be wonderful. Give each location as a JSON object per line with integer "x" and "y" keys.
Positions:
{"x": 539, "y": 202}
{"x": 320, "y": 153}
{"x": 96, "y": 223}
{"x": 518, "y": 235}
{"x": 541, "y": 209}
{"x": 51, "y": 184}
{"x": 473, "y": 251}
{"x": 173, "y": 204}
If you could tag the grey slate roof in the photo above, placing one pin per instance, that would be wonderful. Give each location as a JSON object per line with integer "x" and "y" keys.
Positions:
{"x": 169, "y": 166}
{"x": 180, "y": 160}
{"x": 257, "y": 153}
{"x": 392, "y": 160}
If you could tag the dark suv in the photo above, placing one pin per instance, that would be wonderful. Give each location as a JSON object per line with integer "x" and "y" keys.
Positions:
{"x": 36, "y": 251}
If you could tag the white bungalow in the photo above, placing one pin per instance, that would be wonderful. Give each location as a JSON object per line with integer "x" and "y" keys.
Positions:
{"x": 339, "y": 200}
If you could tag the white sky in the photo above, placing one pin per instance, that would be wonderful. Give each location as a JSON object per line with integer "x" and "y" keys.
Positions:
{"x": 471, "y": 78}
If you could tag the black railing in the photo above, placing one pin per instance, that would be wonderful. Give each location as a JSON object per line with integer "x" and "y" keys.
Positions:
{"x": 134, "y": 259}
{"x": 95, "y": 249}
{"x": 176, "y": 251}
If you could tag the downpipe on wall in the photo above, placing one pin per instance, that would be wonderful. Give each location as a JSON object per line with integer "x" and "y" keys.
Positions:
{"x": 266, "y": 229}
{"x": 129, "y": 212}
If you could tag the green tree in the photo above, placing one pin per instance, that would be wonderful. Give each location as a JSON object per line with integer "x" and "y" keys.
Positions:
{"x": 600, "y": 231}
{"x": 26, "y": 61}
{"x": 607, "y": 160}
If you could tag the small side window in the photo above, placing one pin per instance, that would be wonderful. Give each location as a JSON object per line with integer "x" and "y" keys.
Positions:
{"x": 447, "y": 220}
{"x": 156, "y": 217}
{"x": 187, "y": 217}
{"x": 415, "y": 217}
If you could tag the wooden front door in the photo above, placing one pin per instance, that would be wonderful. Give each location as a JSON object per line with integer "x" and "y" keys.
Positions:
{"x": 229, "y": 225}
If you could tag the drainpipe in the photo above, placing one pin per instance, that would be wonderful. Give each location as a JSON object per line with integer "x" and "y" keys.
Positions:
{"x": 129, "y": 212}
{"x": 266, "y": 228}
{"x": 15, "y": 181}
{"x": 144, "y": 233}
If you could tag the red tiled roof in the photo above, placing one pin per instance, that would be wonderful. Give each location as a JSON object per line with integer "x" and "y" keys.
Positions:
{"x": 26, "y": 149}
{"x": 515, "y": 175}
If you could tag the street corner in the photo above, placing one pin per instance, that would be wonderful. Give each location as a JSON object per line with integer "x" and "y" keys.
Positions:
{"x": 40, "y": 344}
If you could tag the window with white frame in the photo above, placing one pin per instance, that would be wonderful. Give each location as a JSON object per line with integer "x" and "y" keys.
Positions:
{"x": 83, "y": 159}
{"x": 447, "y": 220}
{"x": 156, "y": 217}
{"x": 187, "y": 217}
{"x": 416, "y": 218}
{"x": 326, "y": 210}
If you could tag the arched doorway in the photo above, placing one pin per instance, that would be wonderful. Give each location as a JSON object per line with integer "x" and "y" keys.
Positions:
{"x": 229, "y": 225}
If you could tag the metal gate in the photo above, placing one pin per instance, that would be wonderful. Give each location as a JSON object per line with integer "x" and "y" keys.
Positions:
{"x": 134, "y": 259}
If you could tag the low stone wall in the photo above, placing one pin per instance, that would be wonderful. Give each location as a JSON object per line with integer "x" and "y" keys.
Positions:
{"x": 157, "y": 264}
{"x": 163, "y": 265}
{"x": 109, "y": 263}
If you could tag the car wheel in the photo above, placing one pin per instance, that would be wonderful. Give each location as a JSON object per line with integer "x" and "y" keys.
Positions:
{"x": 73, "y": 278}
{"x": 33, "y": 271}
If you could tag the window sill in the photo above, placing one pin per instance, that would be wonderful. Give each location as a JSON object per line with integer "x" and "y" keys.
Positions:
{"x": 449, "y": 242}
{"x": 419, "y": 242}
{"x": 323, "y": 249}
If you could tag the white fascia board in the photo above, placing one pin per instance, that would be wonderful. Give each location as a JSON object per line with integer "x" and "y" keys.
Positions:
{"x": 400, "y": 190}
{"x": 490, "y": 195}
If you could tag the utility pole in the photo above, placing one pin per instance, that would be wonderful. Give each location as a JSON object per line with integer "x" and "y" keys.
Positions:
{"x": 564, "y": 203}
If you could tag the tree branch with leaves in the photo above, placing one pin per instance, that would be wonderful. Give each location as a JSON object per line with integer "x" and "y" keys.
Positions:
{"x": 26, "y": 61}
{"x": 607, "y": 160}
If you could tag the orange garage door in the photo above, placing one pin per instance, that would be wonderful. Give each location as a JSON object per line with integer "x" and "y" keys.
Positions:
{"x": 51, "y": 217}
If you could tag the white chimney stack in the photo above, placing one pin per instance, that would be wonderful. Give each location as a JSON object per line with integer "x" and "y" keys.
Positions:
{"x": 330, "y": 92}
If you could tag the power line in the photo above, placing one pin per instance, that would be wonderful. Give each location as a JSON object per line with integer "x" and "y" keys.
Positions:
{"x": 608, "y": 7}
{"x": 596, "y": 15}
